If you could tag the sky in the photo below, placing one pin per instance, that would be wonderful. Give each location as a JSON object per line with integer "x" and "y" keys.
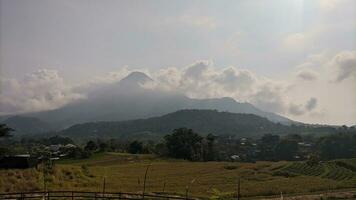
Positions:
{"x": 292, "y": 57}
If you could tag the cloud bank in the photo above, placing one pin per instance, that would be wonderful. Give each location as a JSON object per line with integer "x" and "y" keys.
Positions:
{"x": 320, "y": 90}
{"x": 42, "y": 90}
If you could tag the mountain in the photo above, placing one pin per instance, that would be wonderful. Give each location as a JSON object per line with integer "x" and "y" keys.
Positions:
{"x": 27, "y": 125}
{"x": 201, "y": 121}
{"x": 129, "y": 99}
{"x": 135, "y": 79}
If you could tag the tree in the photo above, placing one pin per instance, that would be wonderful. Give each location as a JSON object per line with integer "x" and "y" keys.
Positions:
{"x": 60, "y": 140}
{"x": 294, "y": 137}
{"x": 267, "y": 146}
{"x": 161, "y": 149}
{"x": 5, "y": 130}
{"x": 135, "y": 147}
{"x": 103, "y": 146}
{"x": 286, "y": 150}
{"x": 313, "y": 160}
{"x": 91, "y": 146}
{"x": 184, "y": 143}
{"x": 208, "y": 148}
{"x": 337, "y": 146}
{"x": 79, "y": 153}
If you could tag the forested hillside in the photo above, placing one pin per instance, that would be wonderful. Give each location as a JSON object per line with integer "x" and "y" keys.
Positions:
{"x": 202, "y": 121}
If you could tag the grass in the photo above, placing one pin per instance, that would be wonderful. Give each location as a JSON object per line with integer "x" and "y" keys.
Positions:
{"x": 339, "y": 170}
{"x": 125, "y": 172}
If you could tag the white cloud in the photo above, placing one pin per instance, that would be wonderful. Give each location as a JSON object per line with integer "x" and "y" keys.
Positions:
{"x": 42, "y": 90}
{"x": 269, "y": 98}
{"x": 295, "y": 40}
{"x": 307, "y": 95}
{"x": 329, "y": 5}
{"x": 329, "y": 81}
{"x": 205, "y": 22}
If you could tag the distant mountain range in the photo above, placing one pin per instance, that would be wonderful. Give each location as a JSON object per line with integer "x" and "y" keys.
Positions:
{"x": 127, "y": 99}
{"x": 201, "y": 121}
{"x": 27, "y": 125}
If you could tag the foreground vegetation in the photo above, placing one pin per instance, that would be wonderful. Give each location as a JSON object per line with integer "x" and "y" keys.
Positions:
{"x": 96, "y": 164}
{"x": 125, "y": 172}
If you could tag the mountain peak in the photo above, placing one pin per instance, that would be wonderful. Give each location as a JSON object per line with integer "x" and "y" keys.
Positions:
{"x": 135, "y": 79}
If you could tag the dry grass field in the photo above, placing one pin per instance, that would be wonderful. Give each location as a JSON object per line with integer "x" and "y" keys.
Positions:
{"x": 125, "y": 172}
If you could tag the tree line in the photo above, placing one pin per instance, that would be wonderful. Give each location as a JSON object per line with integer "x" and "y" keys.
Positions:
{"x": 185, "y": 143}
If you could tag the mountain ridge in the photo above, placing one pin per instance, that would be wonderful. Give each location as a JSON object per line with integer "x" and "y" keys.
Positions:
{"x": 128, "y": 100}
{"x": 202, "y": 121}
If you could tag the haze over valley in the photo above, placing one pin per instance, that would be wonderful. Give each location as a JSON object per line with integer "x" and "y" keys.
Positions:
{"x": 179, "y": 99}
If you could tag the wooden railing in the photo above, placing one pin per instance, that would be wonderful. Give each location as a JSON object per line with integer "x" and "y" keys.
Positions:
{"x": 79, "y": 195}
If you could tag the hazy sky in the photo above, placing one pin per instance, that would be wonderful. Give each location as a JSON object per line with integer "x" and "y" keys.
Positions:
{"x": 293, "y": 57}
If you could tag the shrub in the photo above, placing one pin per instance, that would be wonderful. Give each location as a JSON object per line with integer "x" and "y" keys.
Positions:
{"x": 231, "y": 167}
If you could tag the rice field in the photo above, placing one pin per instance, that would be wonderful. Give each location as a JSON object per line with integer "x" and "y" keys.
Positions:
{"x": 125, "y": 172}
{"x": 339, "y": 170}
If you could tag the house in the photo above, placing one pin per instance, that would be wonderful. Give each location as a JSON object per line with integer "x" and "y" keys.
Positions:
{"x": 18, "y": 162}
{"x": 55, "y": 147}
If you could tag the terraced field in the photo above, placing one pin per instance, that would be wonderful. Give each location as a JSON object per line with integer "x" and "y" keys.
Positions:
{"x": 336, "y": 170}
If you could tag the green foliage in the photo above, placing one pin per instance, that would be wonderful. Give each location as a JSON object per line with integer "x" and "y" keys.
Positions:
{"x": 202, "y": 121}
{"x": 286, "y": 150}
{"x": 5, "y": 130}
{"x": 335, "y": 170}
{"x": 91, "y": 146}
{"x": 103, "y": 146}
{"x": 219, "y": 195}
{"x": 184, "y": 143}
{"x": 79, "y": 153}
{"x": 268, "y": 146}
{"x": 208, "y": 149}
{"x": 135, "y": 147}
{"x": 313, "y": 160}
{"x": 58, "y": 140}
{"x": 342, "y": 145}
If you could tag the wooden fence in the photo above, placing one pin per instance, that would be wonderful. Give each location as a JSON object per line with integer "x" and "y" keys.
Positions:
{"x": 81, "y": 195}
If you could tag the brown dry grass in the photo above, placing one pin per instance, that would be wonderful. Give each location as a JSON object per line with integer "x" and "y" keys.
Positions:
{"x": 125, "y": 172}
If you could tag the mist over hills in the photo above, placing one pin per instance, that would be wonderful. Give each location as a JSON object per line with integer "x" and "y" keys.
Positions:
{"x": 27, "y": 125}
{"x": 130, "y": 99}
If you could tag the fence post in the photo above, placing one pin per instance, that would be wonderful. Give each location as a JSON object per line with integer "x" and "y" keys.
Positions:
{"x": 186, "y": 192}
{"x": 238, "y": 189}
{"x": 188, "y": 188}
{"x": 144, "y": 182}
{"x": 104, "y": 185}
{"x": 164, "y": 186}
{"x": 72, "y": 195}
